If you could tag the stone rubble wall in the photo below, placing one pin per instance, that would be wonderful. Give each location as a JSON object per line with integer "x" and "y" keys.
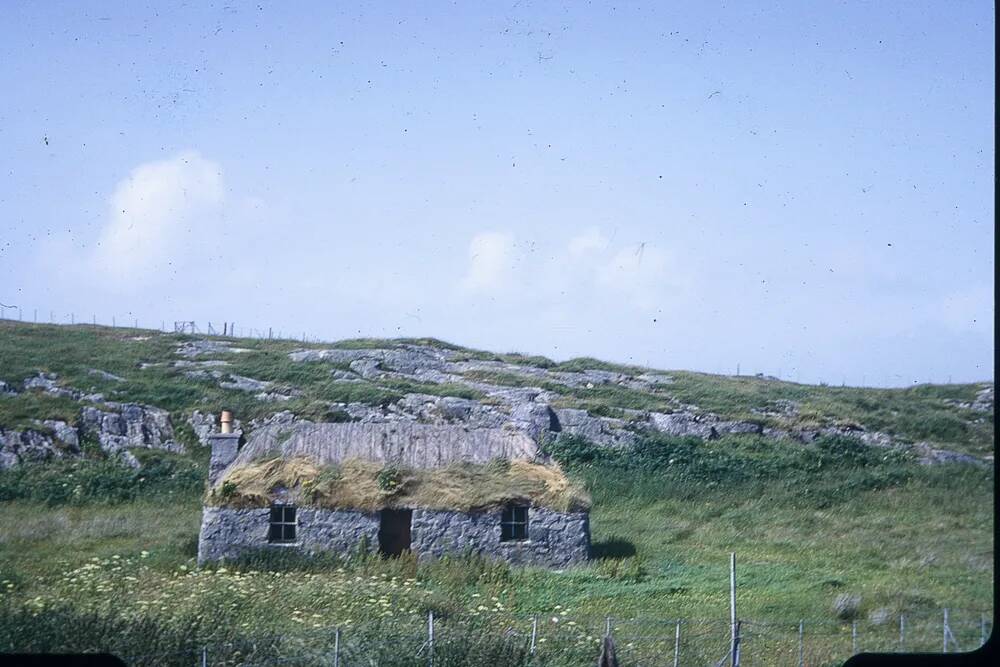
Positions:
{"x": 555, "y": 539}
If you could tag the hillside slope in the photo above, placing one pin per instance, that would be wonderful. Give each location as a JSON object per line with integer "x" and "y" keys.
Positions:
{"x": 62, "y": 387}
{"x": 683, "y": 468}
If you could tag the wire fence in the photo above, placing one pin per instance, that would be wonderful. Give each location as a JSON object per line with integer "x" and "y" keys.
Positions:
{"x": 556, "y": 640}
{"x": 193, "y": 327}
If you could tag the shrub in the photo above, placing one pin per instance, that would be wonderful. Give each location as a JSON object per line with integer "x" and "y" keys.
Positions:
{"x": 78, "y": 481}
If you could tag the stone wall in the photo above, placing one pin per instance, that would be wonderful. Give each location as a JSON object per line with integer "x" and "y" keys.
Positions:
{"x": 555, "y": 539}
{"x": 230, "y": 533}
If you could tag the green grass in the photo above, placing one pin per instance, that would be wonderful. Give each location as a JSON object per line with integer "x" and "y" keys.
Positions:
{"x": 807, "y": 522}
{"x": 910, "y": 414}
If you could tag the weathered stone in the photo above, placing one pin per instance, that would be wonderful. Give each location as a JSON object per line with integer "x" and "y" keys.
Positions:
{"x": 52, "y": 440}
{"x": 554, "y": 539}
{"x": 104, "y": 375}
{"x": 7, "y": 389}
{"x": 132, "y": 425}
{"x": 600, "y": 430}
{"x": 196, "y": 348}
{"x": 48, "y": 382}
{"x": 245, "y": 384}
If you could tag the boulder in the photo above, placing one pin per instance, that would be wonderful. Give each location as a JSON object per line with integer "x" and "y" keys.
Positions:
{"x": 51, "y": 440}
{"x": 129, "y": 425}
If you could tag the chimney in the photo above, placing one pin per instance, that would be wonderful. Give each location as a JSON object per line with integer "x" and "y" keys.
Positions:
{"x": 225, "y": 445}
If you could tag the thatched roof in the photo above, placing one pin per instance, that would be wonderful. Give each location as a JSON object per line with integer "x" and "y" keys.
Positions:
{"x": 401, "y": 443}
{"x": 370, "y": 486}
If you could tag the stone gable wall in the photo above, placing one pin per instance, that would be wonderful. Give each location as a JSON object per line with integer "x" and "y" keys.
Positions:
{"x": 555, "y": 539}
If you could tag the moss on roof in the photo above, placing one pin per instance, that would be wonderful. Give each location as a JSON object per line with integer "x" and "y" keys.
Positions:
{"x": 368, "y": 486}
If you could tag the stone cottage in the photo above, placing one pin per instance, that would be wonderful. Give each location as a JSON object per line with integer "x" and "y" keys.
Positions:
{"x": 390, "y": 487}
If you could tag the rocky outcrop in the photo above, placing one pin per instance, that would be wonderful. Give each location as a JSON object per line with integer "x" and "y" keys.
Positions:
{"x": 49, "y": 383}
{"x": 51, "y": 439}
{"x": 601, "y": 430}
{"x": 197, "y": 348}
{"x": 127, "y": 426}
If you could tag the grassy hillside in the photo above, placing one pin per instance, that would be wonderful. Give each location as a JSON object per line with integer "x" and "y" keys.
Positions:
{"x": 920, "y": 413}
{"x": 95, "y": 555}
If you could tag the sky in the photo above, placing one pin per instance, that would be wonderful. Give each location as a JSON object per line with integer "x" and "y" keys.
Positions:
{"x": 802, "y": 190}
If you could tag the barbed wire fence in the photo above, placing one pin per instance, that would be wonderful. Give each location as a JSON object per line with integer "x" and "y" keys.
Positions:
{"x": 554, "y": 640}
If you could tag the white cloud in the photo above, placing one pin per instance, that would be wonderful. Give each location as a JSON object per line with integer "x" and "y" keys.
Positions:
{"x": 586, "y": 243}
{"x": 153, "y": 209}
{"x": 489, "y": 262}
{"x": 638, "y": 273}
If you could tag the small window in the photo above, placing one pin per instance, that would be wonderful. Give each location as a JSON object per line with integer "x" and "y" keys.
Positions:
{"x": 514, "y": 523}
{"x": 282, "y": 524}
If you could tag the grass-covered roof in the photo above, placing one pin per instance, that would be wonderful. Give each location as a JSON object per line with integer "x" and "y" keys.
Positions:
{"x": 368, "y": 486}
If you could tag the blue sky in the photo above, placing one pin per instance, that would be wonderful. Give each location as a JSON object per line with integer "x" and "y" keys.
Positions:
{"x": 803, "y": 189}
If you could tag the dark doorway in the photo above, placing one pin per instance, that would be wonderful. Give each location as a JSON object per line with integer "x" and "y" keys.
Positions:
{"x": 394, "y": 532}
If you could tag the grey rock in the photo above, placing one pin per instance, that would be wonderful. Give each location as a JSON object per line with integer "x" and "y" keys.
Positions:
{"x": 7, "y": 389}
{"x": 847, "y": 606}
{"x": 202, "y": 363}
{"x": 104, "y": 375}
{"x": 244, "y": 383}
{"x": 928, "y": 455}
{"x": 684, "y": 423}
{"x": 37, "y": 445}
{"x": 538, "y": 420}
{"x": 196, "y": 348}
{"x": 129, "y": 425}
{"x": 202, "y": 374}
{"x": 48, "y": 382}
{"x": 600, "y": 430}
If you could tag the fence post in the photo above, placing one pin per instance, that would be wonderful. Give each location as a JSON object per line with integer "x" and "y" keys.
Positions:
{"x": 902, "y": 631}
{"x": 430, "y": 638}
{"x": 677, "y": 643}
{"x": 944, "y": 632}
{"x": 336, "y": 647}
{"x": 854, "y": 637}
{"x": 736, "y": 645}
{"x": 534, "y": 633}
{"x": 607, "y": 626}
{"x": 982, "y": 629}
{"x": 204, "y": 656}
{"x": 732, "y": 600}
{"x": 800, "y": 642}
